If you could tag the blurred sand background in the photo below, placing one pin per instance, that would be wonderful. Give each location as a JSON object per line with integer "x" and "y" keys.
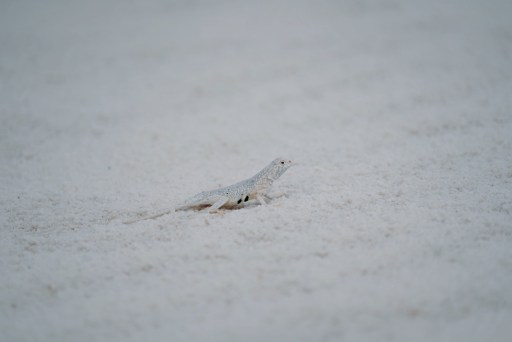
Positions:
{"x": 395, "y": 224}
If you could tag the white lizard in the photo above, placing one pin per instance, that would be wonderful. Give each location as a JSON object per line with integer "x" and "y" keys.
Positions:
{"x": 234, "y": 195}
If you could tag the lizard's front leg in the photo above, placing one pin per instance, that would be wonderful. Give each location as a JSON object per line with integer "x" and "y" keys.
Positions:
{"x": 261, "y": 200}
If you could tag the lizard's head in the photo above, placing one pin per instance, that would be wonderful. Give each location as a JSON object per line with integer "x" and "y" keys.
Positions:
{"x": 279, "y": 166}
{"x": 282, "y": 162}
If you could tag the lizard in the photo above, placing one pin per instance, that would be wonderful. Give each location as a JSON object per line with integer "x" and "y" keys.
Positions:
{"x": 232, "y": 196}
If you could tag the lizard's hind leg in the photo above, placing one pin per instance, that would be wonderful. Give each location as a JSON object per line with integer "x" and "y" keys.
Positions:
{"x": 220, "y": 202}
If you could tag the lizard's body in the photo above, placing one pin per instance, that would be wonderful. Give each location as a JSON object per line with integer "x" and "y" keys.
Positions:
{"x": 234, "y": 195}
{"x": 231, "y": 196}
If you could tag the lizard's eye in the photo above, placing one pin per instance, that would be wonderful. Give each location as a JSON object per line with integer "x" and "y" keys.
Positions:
{"x": 282, "y": 162}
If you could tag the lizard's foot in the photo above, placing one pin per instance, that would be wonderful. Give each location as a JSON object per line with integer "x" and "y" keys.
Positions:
{"x": 275, "y": 196}
{"x": 219, "y": 212}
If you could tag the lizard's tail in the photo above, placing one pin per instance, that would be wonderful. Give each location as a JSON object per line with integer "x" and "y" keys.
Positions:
{"x": 150, "y": 217}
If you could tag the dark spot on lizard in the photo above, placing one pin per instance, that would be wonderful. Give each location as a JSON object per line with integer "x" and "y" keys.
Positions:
{"x": 282, "y": 162}
{"x": 239, "y": 201}
{"x": 246, "y": 198}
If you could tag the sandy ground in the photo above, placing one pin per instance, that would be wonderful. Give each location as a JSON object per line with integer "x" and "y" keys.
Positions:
{"x": 394, "y": 225}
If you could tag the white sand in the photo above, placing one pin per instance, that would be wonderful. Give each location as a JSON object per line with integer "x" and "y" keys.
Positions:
{"x": 395, "y": 225}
